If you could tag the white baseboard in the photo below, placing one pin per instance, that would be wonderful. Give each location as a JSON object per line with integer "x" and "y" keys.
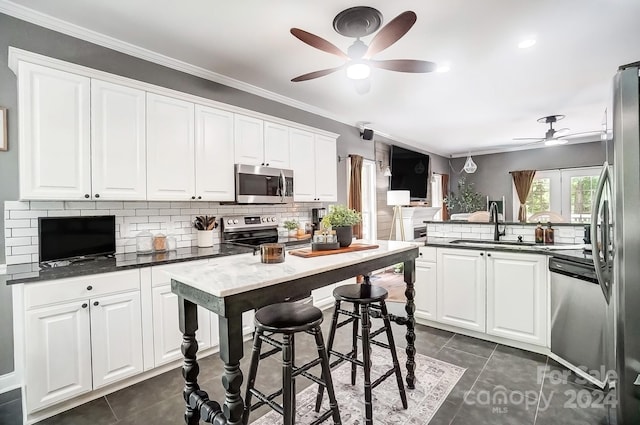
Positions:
{"x": 9, "y": 382}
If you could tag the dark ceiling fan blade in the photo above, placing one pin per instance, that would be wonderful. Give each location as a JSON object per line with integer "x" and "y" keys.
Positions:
{"x": 391, "y": 33}
{"x": 405, "y": 65}
{"x": 315, "y": 74}
{"x": 318, "y": 42}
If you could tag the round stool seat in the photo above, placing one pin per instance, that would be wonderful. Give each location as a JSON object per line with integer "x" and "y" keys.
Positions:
{"x": 360, "y": 293}
{"x": 288, "y": 317}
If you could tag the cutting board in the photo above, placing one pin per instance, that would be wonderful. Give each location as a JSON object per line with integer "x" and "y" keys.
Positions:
{"x": 308, "y": 253}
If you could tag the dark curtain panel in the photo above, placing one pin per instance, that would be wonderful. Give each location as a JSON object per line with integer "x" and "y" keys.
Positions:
{"x": 523, "y": 180}
{"x": 445, "y": 193}
{"x": 355, "y": 191}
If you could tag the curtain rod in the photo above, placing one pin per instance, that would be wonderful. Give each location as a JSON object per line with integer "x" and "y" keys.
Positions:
{"x": 340, "y": 158}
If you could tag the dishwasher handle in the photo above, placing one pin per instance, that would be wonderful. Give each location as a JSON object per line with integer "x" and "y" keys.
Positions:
{"x": 580, "y": 271}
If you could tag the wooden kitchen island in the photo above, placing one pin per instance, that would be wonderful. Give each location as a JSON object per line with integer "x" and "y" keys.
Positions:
{"x": 231, "y": 285}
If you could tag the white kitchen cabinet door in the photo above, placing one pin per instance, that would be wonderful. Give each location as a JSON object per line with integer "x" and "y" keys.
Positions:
{"x": 118, "y": 142}
{"x": 167, "y": 338}
{"x": 276, "y": 145}
{"x": 215, "y": 178}
{"x": 461, "y": 288}
{"x": 116, "y": 337}
{"x": 57, "y": 353}
{"x": 326, "y": 169}
{"x": 248, "y": 140}
{"x": 517, "y": 297}
{"x": 170, "y": 149}
{"x": 54, "y": 134}
{"x": 426, "y": 290}
{"x": 303, "y": 164}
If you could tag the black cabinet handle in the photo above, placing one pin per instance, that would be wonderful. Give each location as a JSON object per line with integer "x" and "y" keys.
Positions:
{"x": 97, "y": 195}
{"x": 86, "y": 195}
{"x": 89, "y": 288}
{"x": 84, "y": 305}
{"x": 96, "y": 303}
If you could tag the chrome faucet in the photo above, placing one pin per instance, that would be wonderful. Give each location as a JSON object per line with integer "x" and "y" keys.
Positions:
{"x": 493, "y": 212}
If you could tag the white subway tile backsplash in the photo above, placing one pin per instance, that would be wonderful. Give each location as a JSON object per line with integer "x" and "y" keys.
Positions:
{"x": 18, "y": 259}
{"x": 135, "y": 205}
{"x": 62, "y": 213}
{"x": 18, "y": 214}
{"x": 80, "y": 205}
{"x": 17, "y": 241}
{"x": 16, "y": 205}
{"x": 146, "y": 211}
{"x": 47, "y": 205}
{"x": 27, "y": 249}
{"x": 10, "y": 224}
{"x": 136, "y": 219}
{"x": 19, "y": 232}
{"x": 94, "y": 212}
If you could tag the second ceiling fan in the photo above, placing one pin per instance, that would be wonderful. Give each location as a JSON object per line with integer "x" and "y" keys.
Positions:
{"x": 553, "y": 136}
{"x": 359, "y": 22}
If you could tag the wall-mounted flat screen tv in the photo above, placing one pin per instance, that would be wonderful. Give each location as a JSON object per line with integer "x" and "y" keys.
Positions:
{"x": 410, "y": 171}
{"x": 72, "y": 237}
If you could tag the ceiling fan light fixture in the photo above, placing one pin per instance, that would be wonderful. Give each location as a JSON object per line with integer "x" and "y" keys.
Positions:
{"x": 470, "y": 167}
{"x": 555, "y": 142}
{"x": 358, "y": 71}
{"x": 443, "y": 68}
{"x": 526, "y": 43}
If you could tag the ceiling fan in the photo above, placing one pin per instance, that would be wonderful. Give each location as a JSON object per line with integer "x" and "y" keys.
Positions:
{"x": 359, "y": 22}
{"x": 553, "y": 136}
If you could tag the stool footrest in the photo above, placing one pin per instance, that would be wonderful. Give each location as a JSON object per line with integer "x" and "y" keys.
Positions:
{"x": 322, "y": 418}
{"x": 349, "y": 313}
{"x": 267, "y": 399}
{"x": 299, "y": 370}
{"x": 270, "y": 353}
{"x": 312, "y": 377}
{"x": 346, "y": 358}
{"x": 271, "y": 341}
{"x": 383, "y": 377}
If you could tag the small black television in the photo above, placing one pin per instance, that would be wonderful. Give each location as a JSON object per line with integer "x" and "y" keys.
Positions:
{"x": 72, "y": 237}
{"x": 410, "y": 171}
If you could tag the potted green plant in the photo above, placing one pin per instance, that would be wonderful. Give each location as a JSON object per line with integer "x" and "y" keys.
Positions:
{"x": 466, "y": 200}
{"x": 342, "y": 219}
{"x": 291, "y": 226}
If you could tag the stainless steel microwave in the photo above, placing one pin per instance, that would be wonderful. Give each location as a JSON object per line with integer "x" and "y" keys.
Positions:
{"x": 263, "y": 185}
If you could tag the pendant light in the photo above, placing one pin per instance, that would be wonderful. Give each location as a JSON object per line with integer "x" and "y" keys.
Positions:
{"x": 470, "y": 167}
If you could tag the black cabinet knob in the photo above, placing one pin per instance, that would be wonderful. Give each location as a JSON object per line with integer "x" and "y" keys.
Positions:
{"x": 193, "y": 197}
{"x": 262, "y": 163}
{"x": 199, "y": 197}
{"x": 86, "y": 195}
{"x": 89, "y": 288}
{"x": 97, "y": 195}
{"x": 420, "y": 254}
{"x": 267, "y": 164}
{"x": 96, "y": 303}
{"x": 482, "y": 254}
{"x": 488, "y": 255}
{"x": 84, "y": 305}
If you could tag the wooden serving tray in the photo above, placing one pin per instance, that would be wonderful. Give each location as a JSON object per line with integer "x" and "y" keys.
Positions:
{"x": 308, "y": 253}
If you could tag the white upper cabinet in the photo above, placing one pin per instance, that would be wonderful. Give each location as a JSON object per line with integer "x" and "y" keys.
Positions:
{"x": 170, "y": 149}
{"x": 315, "y": 169}
{"x": 276, "y": 145}
{"x": 118, "y": 142}
{"x": 54, "y": 133}
{"x": 516, "y": 296}
{"x": 248, "y": 140}
{"x": 214, "y": 156}
{"x": 326, "y": 158}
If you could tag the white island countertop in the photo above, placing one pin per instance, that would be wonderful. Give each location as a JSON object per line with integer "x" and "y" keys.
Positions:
{"x": 225, "y": 276}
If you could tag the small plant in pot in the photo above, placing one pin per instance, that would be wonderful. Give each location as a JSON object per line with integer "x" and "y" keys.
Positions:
{"x": 291, "y": 226}
{"x": 342, "y": 219}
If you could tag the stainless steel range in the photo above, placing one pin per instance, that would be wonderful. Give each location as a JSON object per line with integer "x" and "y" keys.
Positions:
{"x": 253, "y": 230}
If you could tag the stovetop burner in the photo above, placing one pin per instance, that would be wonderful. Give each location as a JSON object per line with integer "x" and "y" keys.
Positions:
{"x": 254, "y": 230}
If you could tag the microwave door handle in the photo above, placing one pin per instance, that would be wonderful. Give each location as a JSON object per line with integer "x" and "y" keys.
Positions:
{"x": 604, "y": 176}
{"x": 282, "y": 186}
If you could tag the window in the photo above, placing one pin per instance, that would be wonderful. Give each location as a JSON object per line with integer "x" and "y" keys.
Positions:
{"x": 436, "y": 195}
{"x": 567, "y": 192}
{"x": 369, "y": 218}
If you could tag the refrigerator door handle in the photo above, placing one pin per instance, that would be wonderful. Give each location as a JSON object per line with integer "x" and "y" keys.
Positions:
{"x": 604, "y": 277}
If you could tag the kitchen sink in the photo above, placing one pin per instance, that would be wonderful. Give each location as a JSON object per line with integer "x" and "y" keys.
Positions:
{"x": 484, "y": 242}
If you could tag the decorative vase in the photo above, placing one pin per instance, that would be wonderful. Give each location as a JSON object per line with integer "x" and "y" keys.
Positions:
{"x": 205, "y": 238}
{"x": 344, "y": 234}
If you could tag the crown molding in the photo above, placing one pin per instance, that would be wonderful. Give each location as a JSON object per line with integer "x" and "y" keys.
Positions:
{"x": 73, "y": 30}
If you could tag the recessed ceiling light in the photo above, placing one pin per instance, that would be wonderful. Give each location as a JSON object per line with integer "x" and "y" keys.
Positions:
{"x": 526, "y": 43}
{"x": 443, "y": 68}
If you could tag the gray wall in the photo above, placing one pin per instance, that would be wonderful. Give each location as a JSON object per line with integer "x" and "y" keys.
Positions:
{"x": 17, "y": 33}
{"x": 492, "y": 176}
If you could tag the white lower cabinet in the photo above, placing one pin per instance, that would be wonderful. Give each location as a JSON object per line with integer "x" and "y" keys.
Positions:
{"x": 80, "y": 336}
{"x": 426, "y": 284}
{"x": 461, "y": 288}
{"x": 516, "y": 296}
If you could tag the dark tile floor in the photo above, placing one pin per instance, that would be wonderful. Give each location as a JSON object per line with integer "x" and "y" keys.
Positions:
{"x": 502, "y": 385}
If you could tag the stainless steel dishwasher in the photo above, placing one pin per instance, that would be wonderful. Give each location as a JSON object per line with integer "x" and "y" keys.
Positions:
{"x": 582, "y": 329}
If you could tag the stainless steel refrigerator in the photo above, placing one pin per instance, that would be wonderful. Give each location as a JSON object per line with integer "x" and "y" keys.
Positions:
{"x": 616, "y": 239}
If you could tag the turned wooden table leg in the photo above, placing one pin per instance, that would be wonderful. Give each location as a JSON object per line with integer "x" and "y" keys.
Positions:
{"x": 410, "y": 308}
{"x": 231, "y": 351}
{"x": 188, "y": 326}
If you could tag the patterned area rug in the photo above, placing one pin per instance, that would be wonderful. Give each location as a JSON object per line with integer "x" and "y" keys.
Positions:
{"x": 434, "y": 380}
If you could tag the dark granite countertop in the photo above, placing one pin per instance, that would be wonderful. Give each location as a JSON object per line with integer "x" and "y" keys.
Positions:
{"x": 34, "y": 272}
{"x": 578, "y": 255}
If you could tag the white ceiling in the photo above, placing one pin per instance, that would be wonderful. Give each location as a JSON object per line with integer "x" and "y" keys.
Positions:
{"x": 493, "y": 93}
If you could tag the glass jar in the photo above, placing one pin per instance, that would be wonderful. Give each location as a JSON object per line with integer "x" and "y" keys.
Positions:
{"x": 172, "y": 243}
{"x": 144, "y": 242}
{"x": 159, "y": 243}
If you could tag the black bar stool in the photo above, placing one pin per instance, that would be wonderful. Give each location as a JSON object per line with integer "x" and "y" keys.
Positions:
{"x": 363, "y": 297}
{"x": 288, "y": 319}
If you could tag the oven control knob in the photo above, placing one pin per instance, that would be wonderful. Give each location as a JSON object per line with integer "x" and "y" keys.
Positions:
{"x": 229, "y": 221}
{"x": 264, "y": 219}
{"x": 235, "y": 221}
{"x": 273, "y": 219}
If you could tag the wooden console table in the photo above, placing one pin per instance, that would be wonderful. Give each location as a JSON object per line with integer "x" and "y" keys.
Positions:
{"x": 229, "y": 286}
